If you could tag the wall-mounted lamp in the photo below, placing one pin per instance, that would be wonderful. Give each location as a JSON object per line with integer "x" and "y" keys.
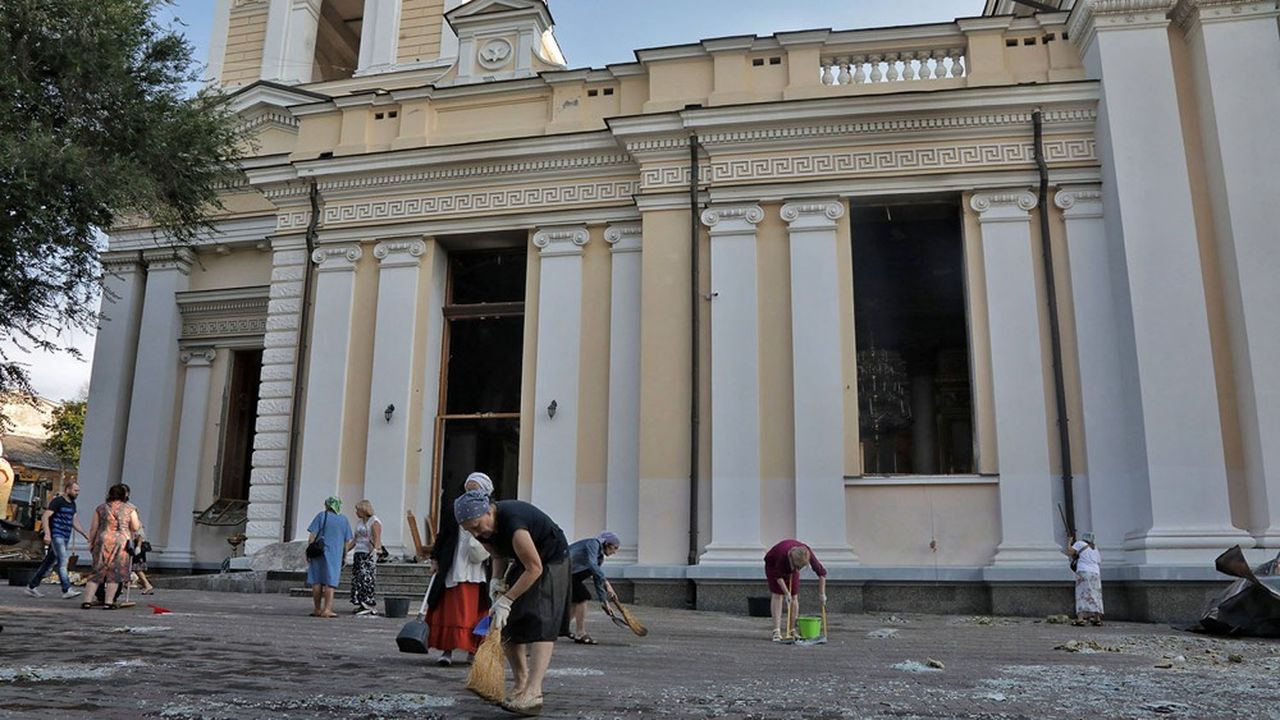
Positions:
{"x": 391, "y": 409}
{"x": 551, "y": 410}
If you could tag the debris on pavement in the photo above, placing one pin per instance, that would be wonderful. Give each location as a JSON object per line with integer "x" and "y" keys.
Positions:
{"x": 1250, "y": 605}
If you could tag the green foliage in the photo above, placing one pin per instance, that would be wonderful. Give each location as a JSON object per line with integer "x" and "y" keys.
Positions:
{"x": 96, "y": 123}
{"x": 66, "y": 431}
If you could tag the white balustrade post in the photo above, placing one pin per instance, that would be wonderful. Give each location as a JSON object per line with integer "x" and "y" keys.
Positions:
{"x": 273, "y": 429}
{"x": 386, "y": 474}
{"x": 622, "y": 486}
{"x": 289, "y": 48}
{"x": 155, "y": 388}
{"x": 1028, "y": 488}
{"x": 379, "y": 38}
{"x": 1111, "y": 423}
{"x": 735, "y": 387}
{"x": 817, "y": 378}
{"x": 1185, "y": 516}
{"x": 187, "y": 466}
{"x": 326, "y": 381}
{"x": 555, "y": 417}
{"x": 115, "y": 351}
{"x": 1227, "y": 39}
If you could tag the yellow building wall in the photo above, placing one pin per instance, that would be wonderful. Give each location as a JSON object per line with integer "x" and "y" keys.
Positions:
{"x": 240, "y": 268}
{"x": 246, "y": 35}
{"x": 355, "y": 423}
{"x": 593, "y": 386}
{"x": 420, "y": 30}
{"x": 895, "y": 524}
{"x": 777, "y": 396}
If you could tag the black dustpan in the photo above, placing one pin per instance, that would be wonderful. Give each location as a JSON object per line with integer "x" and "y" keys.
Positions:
{"x": 413, "y": 636}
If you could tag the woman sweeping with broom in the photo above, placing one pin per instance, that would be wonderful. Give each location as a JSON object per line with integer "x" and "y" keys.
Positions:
{"x": 526, "y": 545}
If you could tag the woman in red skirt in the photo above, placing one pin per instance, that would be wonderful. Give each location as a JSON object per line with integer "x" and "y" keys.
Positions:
{"x": 459, "y": 598}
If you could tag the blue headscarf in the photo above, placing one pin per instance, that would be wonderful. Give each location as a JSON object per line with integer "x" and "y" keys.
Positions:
{"x": 470, "y": 505}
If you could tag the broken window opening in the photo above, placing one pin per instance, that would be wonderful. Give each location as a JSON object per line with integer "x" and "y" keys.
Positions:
{"x": 338, "y": 39}
{"x": 914, "y": 390}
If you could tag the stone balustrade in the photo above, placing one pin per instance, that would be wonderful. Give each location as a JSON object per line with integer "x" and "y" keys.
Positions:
{"x": 886, "y": 67}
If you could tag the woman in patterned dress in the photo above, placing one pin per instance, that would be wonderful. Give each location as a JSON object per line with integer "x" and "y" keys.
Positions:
{"x": 364, "y": 565}
{"x": 114, "y": 524}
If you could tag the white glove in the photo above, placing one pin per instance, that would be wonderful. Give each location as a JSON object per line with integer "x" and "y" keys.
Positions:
{"x": 786, "y": 597}
{"x": 501, "y": 609}
{"x": 823, "y": 599}
{"x": 497, "y": 586}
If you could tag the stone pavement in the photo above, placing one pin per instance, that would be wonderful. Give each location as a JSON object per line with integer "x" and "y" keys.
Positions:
{"x": 225, "y": 655}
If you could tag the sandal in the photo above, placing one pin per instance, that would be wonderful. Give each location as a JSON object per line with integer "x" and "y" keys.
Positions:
{"x": 1077, "y": 623}
{"x": 585, "y": 639}
{"x": 86, "y": 606}
{"x": 109, "y": 606}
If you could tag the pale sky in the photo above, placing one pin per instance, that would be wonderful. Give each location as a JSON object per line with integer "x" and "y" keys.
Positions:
{"x": 593, "y": 33}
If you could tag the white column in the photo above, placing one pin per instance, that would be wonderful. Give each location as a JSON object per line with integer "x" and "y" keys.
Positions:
{"x": 272, "y": 431}
{"x": 1185, "y": 514}
{"x": 386, "y": 470}
{"x": 817, "y": 381}
{"x": 186, "y": 468}
{"x": 735, "y": 386}
{"x": 1227, "y": 41}
{"x": 555, "y": 439}
{"x": 326, "y": 381}
{"x": 289, "y": 49}
{"x": 1028, "y": 491}
{"x": 149, "y": 447}
{"x": 111, "y": 382}
{"x": 1111, "y": 423}
{"x": 379, "y": 37}
{"x": 622, "y": 487}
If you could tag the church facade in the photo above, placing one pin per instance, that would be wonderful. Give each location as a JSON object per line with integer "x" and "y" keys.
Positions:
{"x": 921, "y": 296}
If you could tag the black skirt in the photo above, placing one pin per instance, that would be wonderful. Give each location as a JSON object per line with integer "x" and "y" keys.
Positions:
{"x": 541, "y": 613}
{"x": 581, "y": 586}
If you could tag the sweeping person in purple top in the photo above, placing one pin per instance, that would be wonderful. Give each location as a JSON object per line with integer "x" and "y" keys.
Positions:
{"x": 782, "y": 565}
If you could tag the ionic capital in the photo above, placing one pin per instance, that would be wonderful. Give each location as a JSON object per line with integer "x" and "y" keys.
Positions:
{"x": 812, "y": 214}
{"x": 196, "y": 357}
{"x": 624, "y": 237}
{"x": 1003, "y": 205}
{"x": 1079, "y": 203}
{"x": 391, "y": 253}
{"x": 337, "y": 257}
{"x": 561, "y": 240}
{"x": 732, "y": 219}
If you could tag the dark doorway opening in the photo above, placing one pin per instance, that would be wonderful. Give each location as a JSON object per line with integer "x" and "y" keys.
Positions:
{"x": 240, "y": 415}
{"x": 338, "y": 39}
{"x": 478, "y": 422}
{"x": 914, "y": 393}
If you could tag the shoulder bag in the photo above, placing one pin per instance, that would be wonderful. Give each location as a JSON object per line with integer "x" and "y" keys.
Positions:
{"x": 315, "y": 548}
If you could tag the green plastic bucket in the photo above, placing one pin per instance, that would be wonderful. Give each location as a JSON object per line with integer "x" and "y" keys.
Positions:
{"x": 809, "y": 627}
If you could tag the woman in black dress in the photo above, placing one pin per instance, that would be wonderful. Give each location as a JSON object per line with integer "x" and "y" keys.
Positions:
{"x": 530, "y": 586}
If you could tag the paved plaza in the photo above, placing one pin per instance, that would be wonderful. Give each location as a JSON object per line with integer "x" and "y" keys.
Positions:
{"x": 231, "y": 656}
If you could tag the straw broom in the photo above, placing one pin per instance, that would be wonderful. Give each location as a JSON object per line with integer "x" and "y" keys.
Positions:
{"x": 630, "y": 620}
{"x": 486, "y": 677}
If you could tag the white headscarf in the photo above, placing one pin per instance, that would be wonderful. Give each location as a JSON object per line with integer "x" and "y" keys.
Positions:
{"x": 480, "y": 479}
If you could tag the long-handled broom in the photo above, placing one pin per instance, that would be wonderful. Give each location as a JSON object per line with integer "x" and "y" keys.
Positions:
{"x": 486, "y": 677}
{"x": 627, "y": 620}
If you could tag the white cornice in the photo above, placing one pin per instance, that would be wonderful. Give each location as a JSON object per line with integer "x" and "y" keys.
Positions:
{"x": 1186, "y": 13}
{"x": 435, "y": 227}
{"x": 1088, "y": 16}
